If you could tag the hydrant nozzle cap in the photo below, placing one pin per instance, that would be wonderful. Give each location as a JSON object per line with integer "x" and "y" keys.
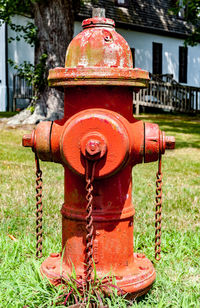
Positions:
{"x": 28, "y": 140}
{"x": 98, "y": 22}
{"x": 170, "y": 142}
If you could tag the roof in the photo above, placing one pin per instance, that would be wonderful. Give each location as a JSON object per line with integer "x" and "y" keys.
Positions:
{"x": 150, "y": 16}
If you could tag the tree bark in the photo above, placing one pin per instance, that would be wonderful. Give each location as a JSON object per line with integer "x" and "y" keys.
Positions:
{"x": 54, "y": 20}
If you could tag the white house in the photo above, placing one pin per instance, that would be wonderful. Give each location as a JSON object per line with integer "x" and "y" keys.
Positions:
{"x": 18, "y": 51}
{"x": 156, "y": 39}
{"x": 3, "y": 68}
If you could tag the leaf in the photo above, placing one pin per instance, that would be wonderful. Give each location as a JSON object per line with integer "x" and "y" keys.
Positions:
{"x": 12, "y": 237}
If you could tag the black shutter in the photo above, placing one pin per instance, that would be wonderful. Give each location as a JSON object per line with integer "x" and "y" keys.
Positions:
{"x": 133, "y": 56}
{"x": 183, "y": 53}
{"x": 157, "y": 58}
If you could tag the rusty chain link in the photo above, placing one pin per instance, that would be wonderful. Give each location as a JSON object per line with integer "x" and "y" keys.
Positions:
{"x": 89, "y": 177}
{"x": 158, "y": 213}
{"x": 39, "y": 208}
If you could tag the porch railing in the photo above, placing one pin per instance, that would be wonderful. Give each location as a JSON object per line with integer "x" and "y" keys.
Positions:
{"x": 21, "y": 90}
{"x": 168, "y": 95}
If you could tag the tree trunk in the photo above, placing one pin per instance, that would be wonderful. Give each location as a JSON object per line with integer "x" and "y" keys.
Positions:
{"x": 54, "y": 20}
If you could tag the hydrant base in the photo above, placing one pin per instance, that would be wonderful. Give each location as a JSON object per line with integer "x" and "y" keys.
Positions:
{"x": 136, "y": 279}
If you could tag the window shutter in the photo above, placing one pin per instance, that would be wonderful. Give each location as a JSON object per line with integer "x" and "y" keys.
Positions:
{"x": 183, "y": 54}
{"x": 157, "y": 58}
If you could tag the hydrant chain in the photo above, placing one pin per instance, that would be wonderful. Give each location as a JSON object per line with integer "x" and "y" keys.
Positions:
{"x": 158, "y": 213}
{"x": 39, "y": 208}
{"x": 89, "y": 219}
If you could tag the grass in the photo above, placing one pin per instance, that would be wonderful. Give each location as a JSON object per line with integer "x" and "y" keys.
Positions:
{"x": 7, "y": 114}
{"x": 178, "y": 274}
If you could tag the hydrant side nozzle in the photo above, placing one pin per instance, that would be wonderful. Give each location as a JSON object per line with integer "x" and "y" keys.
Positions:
{"x": 156, "y": 142}
{"x": 40, "y": 140}
{"x": 153, "y": 142}
{"x": 136, "y": 132}
{"x": 28, "y": 140}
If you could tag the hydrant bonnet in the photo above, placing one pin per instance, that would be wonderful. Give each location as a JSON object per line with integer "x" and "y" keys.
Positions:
{"x": 98, "y": 45}
{"x": 98, "y": 56}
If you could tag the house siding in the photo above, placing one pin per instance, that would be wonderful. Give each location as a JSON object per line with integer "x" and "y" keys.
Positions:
{"x": 3, "y": 87}
{"x": 18, "y": 51}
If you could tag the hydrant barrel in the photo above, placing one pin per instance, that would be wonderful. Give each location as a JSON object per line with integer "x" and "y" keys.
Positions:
{"x": 98, "y": 142}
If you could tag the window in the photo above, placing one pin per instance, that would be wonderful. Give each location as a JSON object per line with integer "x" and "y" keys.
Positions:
{"x": 183, "y": 53}
{"x": 157, "y": 58}
{"x": 122, "y": 3}
{"x": 133, "y": 56}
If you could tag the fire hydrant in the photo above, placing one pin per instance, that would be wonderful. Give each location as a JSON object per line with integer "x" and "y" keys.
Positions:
{"x": 98, "y": 142}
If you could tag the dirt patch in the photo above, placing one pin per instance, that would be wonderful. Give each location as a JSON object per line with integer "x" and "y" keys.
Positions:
{"x": 5, "y": 126}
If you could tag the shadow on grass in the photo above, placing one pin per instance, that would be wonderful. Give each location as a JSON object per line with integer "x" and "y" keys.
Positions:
{"x": 8, "y": 114}
{"x": 141, "y": 299}
{"x": 191, "y": 129}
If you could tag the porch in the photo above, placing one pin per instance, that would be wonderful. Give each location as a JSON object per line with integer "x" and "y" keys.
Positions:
{"x": 166, "y": 93}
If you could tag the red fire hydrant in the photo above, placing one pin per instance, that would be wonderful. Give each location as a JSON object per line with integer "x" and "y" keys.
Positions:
{"x": 98, "y": 142}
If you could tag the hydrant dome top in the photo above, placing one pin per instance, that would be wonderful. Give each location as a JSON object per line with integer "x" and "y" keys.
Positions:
{"x": 98, "y": 56}
{"x": 98, "y": 45}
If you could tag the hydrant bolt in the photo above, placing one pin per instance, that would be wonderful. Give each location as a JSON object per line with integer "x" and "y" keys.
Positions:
{"x": 93, "y": 147}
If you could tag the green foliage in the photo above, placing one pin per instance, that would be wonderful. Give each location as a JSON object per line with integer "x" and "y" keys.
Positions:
{"x": 9, "y": 8}
{"x": 31, "y": 107}
{"x": 27, "y": 32}
{"x": 35, "y": 75}
{"x": 192, "y": 15}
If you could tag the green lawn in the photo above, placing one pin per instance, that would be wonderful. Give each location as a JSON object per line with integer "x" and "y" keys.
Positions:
{"x": 178, "y": 273}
